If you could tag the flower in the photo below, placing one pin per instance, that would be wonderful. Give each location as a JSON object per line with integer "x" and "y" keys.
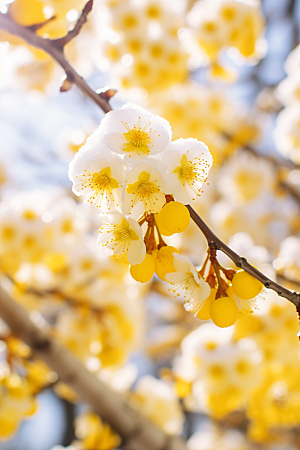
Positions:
{"x": 134, "y": 132}
{"x": 287, "y": 132}
{"x": 159, "y": 403}
{"x": 245, "y": 178}
{"x": 187, "y": 281}
{"x": 120, "y": 235}
{"x": 188, "y": 162}
{"x": 99, "y": 177}
{"x": 145, "y": 190}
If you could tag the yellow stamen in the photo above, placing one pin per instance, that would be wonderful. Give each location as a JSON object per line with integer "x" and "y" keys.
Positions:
{"x": 192, "y": 173}
{"x": 121, "y": 236}
{"x": 101, "y": 184}
{"x": 138, "y": 139}
{"x": 144, "y": 190}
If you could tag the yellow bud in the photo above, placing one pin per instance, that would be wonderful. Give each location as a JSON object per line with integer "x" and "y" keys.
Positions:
{"x": 164, "y": 261}
{"x": 9, "y": 421}
{"x": 55, "y": 261}
{"x": 182, "y": 388}
{"x": 204, "y": 312}
{"x": 161, "y": 228}
{"x": 174, "y": 217}
{"x": 245, "y": 285}
{"x": 224, "y": 312}
{"x": 27, "y": 12}
{"x": 144, "y": 271}
{"x": 230, "y": 292}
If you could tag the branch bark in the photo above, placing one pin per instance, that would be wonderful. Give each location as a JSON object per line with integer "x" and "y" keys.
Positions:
{"x": 242, "y": 262}
{"x": 8, "y": 25}
{"x": 137, "y": 432}
{"x": 77, "y": 28}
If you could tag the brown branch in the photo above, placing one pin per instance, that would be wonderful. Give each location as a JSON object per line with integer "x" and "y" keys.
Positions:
{"x": 61, "y": 42}
{"x": 241, "y": 262}
{"x": 136, "y": 430}
{"x": 8, "y": 25}
{"x": 37, "y": 26}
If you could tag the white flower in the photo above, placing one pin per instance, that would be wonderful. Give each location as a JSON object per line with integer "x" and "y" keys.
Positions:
{"x": 120, "y": 235}
{"x": 188, "y": 162}
{"x": 245, "y": 178}
{"x": 160, "y": 404}
{"x": 292, "y": 63}
{"x": 287, "y": 132}
{"x": 187, "y": 281}
{"x": 288, "y": 91}
{"x": 145, "y": 190}
{"x": 99, "y": 177}
{"x": 134, "y": 132}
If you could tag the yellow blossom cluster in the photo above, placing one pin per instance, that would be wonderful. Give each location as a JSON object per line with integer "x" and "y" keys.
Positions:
{"x": 151, "y": 45}
{"x": 141, "y": 40}
{"x": 207, "y": 114}
{"x": 21, "y": 378}
{"x": 219, "y": 25}
{"x": 93, "y": 434}
{"x": 253, "y": 368}
{"x": 47, "y": 254}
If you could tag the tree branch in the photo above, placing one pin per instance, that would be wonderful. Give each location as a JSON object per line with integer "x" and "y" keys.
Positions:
{"x": 61, "y": 42}
{"x": 137, "y": 432}
{"x": 241, "y": 262}
{"x": 49, "y": 46}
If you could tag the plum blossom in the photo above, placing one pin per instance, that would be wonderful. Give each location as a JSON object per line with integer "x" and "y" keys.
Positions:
{"x": 134, "y": 132}
{"x": 119, "y": 235}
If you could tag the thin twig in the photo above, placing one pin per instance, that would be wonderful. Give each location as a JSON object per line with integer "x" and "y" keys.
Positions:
{"x": 61, "y": 42}
{"x": 241, "y": 262}
{"x": 8, "y": 25}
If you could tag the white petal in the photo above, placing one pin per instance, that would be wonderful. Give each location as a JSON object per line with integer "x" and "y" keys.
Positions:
{"x": 136, "y": 252}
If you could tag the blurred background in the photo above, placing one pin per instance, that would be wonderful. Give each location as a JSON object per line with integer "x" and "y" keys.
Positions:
{"x": 242, "y": 99}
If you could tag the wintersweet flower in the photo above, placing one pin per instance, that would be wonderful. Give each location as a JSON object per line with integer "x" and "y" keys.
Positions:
{"x": 244, "y": 305}
{"x": 188, "y": 162}
{"x": 134, "y": 132}
{"x": 120, "y": 235}
{"x": 187, "y": 281}
{"x": 98, "y": 176}
{"x": 145, "y": 190}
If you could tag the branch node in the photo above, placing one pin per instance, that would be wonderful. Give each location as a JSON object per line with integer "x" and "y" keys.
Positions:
{"x": 37, "y": 26}
{"x": 41, "y": 345}
{"x": 61, "y": 42}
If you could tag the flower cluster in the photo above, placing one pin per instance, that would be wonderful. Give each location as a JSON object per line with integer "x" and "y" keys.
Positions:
{"x": 132, "y": 171}
{"x": 49, "y": 252}
{"x": 227, "y": 24}
{"x": 208, "y": 114}
{"x": 241, "y": 369}
{"x": 141, "y": 41}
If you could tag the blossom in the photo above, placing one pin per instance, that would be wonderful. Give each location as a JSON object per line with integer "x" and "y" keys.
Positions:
{"x": 99, "y": 177}
{"x": 120, "y": 235}
{"x": 145, "y": 190}
{"x": 187, "y": 281}
{"x": 245, "y": 178}
{"x": 188, "y": 162}
{"x": 287, "y": 132}
{"x": 160, "y": 404}
{"x": 134, "y": 132}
